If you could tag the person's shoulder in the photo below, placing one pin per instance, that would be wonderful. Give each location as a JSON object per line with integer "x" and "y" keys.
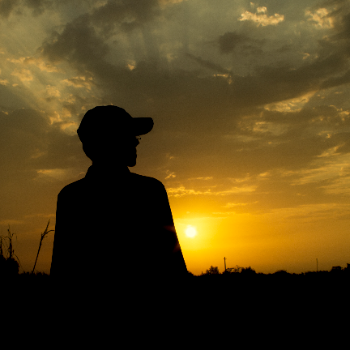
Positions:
{"x": 73, "y": 187}
{"x": 147, "y": 180}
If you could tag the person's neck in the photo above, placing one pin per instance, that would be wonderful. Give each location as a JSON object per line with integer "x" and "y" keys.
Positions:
{"x": 111, "y": 167}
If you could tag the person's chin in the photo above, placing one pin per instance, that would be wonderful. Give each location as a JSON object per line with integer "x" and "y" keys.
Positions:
{"x": 132, "y": 163}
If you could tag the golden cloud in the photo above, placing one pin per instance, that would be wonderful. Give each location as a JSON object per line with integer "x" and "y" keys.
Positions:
{"x": 292, "y": 105}
{"x": 4, "y": 82}
{"x": 52, "y": 91}
{"x": 320, "y": 18}
{"x": 182, "y": 191}
{"x": 261, "y": 18}
{"x": 78, "y": 82}
{"x": 55, "y": 174}
{"x": 170, "y": 174}
{"x": 36, "y": 61}
{"x": 23, "y": 74}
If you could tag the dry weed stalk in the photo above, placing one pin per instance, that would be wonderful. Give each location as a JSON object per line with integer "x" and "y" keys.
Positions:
{"x": 43, "y": 235}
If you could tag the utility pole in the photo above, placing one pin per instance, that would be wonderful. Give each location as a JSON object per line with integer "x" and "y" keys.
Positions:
{"x": 316, "y": 265}
{"x": 225, "y": 263}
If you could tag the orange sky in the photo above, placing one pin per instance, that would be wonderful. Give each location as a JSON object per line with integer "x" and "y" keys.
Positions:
{"x": 250, "y": 102}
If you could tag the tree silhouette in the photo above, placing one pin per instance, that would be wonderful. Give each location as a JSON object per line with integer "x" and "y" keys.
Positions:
{"x": 212, "y": 271}
{"x": 230, "y": 270}
{"x": 248, "y": 271}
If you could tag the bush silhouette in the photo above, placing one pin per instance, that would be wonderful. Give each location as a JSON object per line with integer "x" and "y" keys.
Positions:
{"x": 248, "y": 271}
{"x": 8, "y": 267}
{"x": 213, "y": 270}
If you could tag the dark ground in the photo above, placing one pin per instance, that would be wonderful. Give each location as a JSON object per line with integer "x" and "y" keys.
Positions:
{"x": 217, "y": 311}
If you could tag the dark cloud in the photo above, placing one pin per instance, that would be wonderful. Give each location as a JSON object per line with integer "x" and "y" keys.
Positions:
{"x": 278, "y": 83}
{"x": 329, "y": 3}
{"x": 37, "y": 6}
{"x": 251, "y": 50}
{"x": 208, "y": 64}
{"x": 128, "y": 14}
{"x": 7, "y": 6}
{"x": 343, "y": 27}
{"x": 336, "y": 81}
{"x": 82, "y": 41}
{"x": 230, "y": 40}
{"x": 285, "y": 48}
{"x": 78, "y": 43}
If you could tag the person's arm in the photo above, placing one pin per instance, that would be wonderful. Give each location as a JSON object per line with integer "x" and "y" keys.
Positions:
{"x": 59, "y": 259}
{"x": 177, "y": 263}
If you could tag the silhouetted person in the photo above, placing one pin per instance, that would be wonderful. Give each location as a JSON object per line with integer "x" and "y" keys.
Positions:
{"x": 114, "y": 224}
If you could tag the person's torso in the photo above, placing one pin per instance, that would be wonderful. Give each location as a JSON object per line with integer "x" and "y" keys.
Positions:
{"x": 116, "y": 224}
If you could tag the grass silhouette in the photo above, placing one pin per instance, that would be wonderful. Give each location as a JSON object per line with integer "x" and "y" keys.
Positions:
{"x": 9, "y": 262}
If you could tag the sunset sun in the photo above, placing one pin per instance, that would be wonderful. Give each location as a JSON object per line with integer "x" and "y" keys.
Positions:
{"x": 190, "y": 231}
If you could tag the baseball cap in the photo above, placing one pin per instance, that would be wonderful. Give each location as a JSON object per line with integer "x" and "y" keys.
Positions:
{"x": 114, "y": 120}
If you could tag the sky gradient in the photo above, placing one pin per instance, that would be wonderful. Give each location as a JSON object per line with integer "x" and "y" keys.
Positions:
{"x": 251, "y": 110}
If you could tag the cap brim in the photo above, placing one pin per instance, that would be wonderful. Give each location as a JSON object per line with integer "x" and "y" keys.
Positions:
{"x": 142, "y": 126}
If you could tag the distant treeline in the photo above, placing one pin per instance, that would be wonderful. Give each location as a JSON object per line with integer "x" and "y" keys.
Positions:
{"x": 248, "y": 271}
{"x": 10, "y": 267}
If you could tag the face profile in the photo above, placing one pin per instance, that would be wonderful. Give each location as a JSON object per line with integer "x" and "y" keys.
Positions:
{"x": 113, "y": 150}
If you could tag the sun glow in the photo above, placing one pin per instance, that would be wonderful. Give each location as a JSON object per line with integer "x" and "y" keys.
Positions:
{"x": 190, "y": 231}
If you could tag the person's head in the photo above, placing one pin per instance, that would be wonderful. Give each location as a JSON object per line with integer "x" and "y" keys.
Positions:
{"x": 110, "y": 135}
